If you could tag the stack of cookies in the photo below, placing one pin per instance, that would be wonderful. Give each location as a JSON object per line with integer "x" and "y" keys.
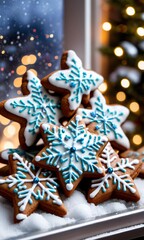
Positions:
{"x": 82, "y": 138}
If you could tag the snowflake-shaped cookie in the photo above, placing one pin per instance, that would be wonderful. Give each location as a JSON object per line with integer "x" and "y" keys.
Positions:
{"x": 27, "y": 154}
{"x": 75, "y": 81}
{"x": 72, "y": 152}
{"x": 117, "y": 181}
{"x": 106, "y": 119}
{"x": 33, "y": 109}
{"x": 30, "y": 187}
{"x": 139, "y": 154}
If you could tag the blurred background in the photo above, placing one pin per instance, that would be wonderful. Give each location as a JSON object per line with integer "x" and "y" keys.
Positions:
{"x": 107, "y": 35}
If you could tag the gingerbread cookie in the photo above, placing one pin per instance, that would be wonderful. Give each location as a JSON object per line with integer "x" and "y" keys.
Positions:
{"x": 139, "y": 154}
{"x": 4, "y": 170}
{"x": 73, "y": 82}
{"x": 117, "y": 182}
{"x": 36, "y": 107}
{"x": 72, "y": 152}
{"x": 27, "y": 154}
{"x": 106, "y": 120}
{"x": 29, "y": 188}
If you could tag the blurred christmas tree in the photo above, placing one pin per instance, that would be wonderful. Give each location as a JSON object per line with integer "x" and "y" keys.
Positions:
{"x": 125, "y": 53}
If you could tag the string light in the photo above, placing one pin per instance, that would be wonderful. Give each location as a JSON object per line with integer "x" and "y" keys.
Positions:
{"x": 134, "y": 107}
{"x": 103, "y": 87}
{"x": 106, "y": 26}
{"x": 130, "y": 11}
{"x": 3, "y": 52}
{"x": 31, "y": 38}
{"x": 1, "y": 37}
{"x": 9, "y": 131}
{"x": 121, "y": 96}
{"x": 125, "y": 83}
{"x": 4, "y": 121}
{"x": 17, "y": 82}
{"x": 141, "y": 65}
{"x": 21, "y": 70}
{"x": 28, "y": 59}
{"x": 137, "y": 139}
{"x": 118, "y": 51}
{"x": 140, "y": 31}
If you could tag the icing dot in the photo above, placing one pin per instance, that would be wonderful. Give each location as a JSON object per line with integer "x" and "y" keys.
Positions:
{"x": 110, "y": 170}
{"x": 72, "y": 84}
{"x": 36, "y": 180}
{"x": 114, "y": 126}
{"x": 72, "y": 149}
{"x": 15, "y": 190}
{"x": 93, "y": 114}
{"x": 66, "y": 138}
{"x": 69, "y": 186}
{"x": 97, "y": 127}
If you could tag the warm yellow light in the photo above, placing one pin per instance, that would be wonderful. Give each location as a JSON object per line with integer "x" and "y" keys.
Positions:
{"x": 39, "y": 54}
{"x": 141, "y": 65}
{"x": 9, "y": 131}
{"x": 137, "y": 139}
{"x": 34, "y": 71}
{"x": 32, "y": 38}
{"x": 103, "y": 87}
{"x": 56, "y": 57}
{"x": 49, "y": 64}
{"x": 130, "y": 11}
{"x": 3, "y": 120}
{"x": 121, "y": 96}
{"x": 28, "y": 59}
{"x": 21, "y": 70}
{"x": 125, "y": 83}
{"x": 140, "y": 31}
{"x": 7, "y": 144}
{"x": 17, "y": 82}
{"x": 118, "y": 51}
{"x": 1, "y": 37}
{"x": 19, "y": 92}
{"x": 3, "y": 52}
{"x": 134, "y": 106}
{"x": 106, "y": 26}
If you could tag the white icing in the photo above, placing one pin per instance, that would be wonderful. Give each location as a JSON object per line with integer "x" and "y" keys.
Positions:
{"x": 62, "y": 84}
{"x": 4, "y": 155}
{"x": 69, "y": 186}
{"x": 29, "y": 137}
{"x": 21, "y": 216}
{"x": 102, "y": 184}
{"x": 123, "y": 140}
{"x": 72, "y": 149}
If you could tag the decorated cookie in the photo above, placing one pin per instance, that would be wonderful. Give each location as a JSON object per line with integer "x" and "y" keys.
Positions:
{"x": 139, "y": 154}
{"x": 27, "y": 154}
{"x": 73, "y": 82}
{"x": 4, "y": 170}
{"x": 36, "y": 107}
{"x": 106, "y": 120}
{"x": 29, "y": 188}
{"x": 118, "y": 180}
{"x": 72, "y": 152}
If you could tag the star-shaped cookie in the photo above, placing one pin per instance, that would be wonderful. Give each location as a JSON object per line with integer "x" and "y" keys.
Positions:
{"x": 139, "y": 154}
{"x": 118, "y": 180}
{"x": 72, "y": 152}
{"x": 106, "y": 120}
{"x": 27, "y": 154}
{"x": 32, "y": 109}
{"x": 73, "y": 82}
{"x": 29, "y": 188}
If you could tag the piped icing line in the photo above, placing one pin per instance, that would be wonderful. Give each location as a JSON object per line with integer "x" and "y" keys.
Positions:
{"x": 122, "y": 181}
{"x": 76, "y": 79}
{"x": 107, "y": 118}
{"x": 43, "y": 186}
{"x": 37, "y": 107}
{"x": 72, "y": 150}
